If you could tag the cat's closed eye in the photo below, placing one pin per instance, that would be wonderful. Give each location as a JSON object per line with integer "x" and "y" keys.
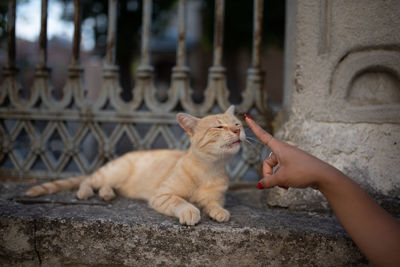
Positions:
{"x": 219, "y": 127}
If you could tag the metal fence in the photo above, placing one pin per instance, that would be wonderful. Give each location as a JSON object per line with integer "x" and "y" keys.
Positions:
{"x": 42, "y": 137}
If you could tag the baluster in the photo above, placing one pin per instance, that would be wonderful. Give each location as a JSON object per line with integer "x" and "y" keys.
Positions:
{"x": 216, "y": 87}
{"x": 254, "y": 93}
{"x": 111, "y": 32}
{"x": 180, "y": 85}
{"x": 181, "y": 49}
{"x": 256, "y": 74}
{"x": 9, "y": 84}
{"x": 111, "y": 71}
{"x": 217, "y": 77}
{"x": 43, "y": 36}
{"x": 145, "y": 83}
{"x": 74, "y": 86}
{"x": 145, "y": 71}
{"x": 10, "y": 72}
{"x": 77, "y": 34}
{"x": 146, "y": 31}
{"x": 42, "y": 71}
{"x": 144, "y": 79}
{"x": 11, "y": 34}
{"x": 110, "y": 87}
{"x": 218, "y": 32}
{"x": 41, "y": 89}
{"x": 257, "y": 33}
{"x": 180, "y": 73}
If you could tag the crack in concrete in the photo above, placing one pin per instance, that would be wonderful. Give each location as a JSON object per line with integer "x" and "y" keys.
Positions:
{"x": 30, "y": 201}
{"x": 35, "y": 243}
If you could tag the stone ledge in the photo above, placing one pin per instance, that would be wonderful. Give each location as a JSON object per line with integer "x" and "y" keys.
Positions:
{"x": 63, "y": 231}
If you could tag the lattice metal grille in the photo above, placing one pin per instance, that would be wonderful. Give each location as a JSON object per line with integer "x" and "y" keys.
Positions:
{"x": 47, "y": 138}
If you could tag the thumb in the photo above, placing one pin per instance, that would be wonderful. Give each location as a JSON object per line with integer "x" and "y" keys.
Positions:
{"x": 268, "y": 181}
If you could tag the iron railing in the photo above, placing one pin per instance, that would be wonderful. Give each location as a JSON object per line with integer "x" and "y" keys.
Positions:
{"x": 42, "y": 137}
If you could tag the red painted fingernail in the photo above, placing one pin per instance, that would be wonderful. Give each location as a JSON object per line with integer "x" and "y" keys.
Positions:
{"x": 260, "y": 186}
{"x": 284, "y": 187}
{"x": 247, "y": 116}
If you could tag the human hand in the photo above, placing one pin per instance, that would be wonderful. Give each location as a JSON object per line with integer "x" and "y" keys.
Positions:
{"x": 374, "y": 230}
{"x": 295, "y": 168}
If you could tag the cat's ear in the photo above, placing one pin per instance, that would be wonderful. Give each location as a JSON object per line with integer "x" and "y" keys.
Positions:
{"x": 187, "y": 122}
{"x": 230, "y": 110}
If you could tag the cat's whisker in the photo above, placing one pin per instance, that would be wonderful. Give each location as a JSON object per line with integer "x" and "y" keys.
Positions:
{"x": 248, "y": 131}
{"x": 254, "y": 140}
{"x": 250, "y": 143}
{"x": 262, "y": 156}
{"x": 253, "y": 146}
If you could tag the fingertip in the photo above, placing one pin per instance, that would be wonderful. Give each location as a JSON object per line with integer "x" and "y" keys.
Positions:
{"x": 267, "y": 181}
{"x": 260, "y": 185}
{"x": 248, "y": 119}
{"x": 261, "y": 134}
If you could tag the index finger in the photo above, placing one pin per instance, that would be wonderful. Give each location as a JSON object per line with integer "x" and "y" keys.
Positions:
{"x": 264, "y": 136}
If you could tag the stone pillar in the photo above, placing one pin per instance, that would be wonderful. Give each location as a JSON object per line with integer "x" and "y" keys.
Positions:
{"x": 342, "y": 89}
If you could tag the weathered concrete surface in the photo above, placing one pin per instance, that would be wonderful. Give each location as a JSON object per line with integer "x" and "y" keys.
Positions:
{"x": 128, "y": 232}
{"x": 342, "y": 89}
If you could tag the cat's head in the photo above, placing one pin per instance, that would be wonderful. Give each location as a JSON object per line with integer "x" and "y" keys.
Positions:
{"x": 217, "y": 135}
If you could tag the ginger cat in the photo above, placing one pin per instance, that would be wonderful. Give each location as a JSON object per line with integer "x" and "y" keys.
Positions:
{"x": 172, "y": 181}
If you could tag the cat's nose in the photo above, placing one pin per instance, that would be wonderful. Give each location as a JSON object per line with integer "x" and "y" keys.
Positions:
{"x": 237, "y": 132}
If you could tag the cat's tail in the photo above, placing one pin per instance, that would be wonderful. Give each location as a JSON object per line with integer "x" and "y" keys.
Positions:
{"x": 56, "y": 186}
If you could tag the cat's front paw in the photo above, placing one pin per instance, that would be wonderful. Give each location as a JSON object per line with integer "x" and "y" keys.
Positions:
{"x": 189, "y": 215}
{"x": 220, "y": 214}
{"x": 106, "y": 193}
{"x": 84, "y": 192}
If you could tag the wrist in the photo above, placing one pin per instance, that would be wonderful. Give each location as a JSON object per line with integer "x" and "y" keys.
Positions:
{"x": 330, "y": 179}
{"x": 333, "y": 183}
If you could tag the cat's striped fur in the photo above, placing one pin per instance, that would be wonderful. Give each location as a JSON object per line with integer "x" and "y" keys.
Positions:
{"x": 173, "y": 181}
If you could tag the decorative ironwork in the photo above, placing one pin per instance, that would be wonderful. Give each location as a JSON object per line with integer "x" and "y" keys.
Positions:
{"x": 44, "y": 137}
